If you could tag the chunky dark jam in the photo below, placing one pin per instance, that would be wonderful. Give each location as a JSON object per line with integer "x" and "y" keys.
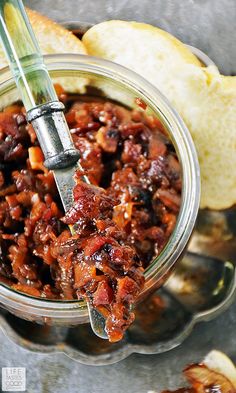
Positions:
{"x": 119, "y": 226}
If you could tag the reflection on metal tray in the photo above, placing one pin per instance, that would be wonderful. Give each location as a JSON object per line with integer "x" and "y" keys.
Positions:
{"x": 202, "y": 286}
{"x": 199, "y": 289}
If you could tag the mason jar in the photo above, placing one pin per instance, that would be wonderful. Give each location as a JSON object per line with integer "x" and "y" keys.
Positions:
{"x": 113, "y": 81}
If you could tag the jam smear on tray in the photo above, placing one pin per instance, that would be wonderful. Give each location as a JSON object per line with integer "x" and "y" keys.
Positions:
{"x": 119, "y": 226}
{"x": 204, "y": 380}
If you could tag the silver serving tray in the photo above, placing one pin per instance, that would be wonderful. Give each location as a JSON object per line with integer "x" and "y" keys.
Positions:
{"x": 202, "y": 286}
{"x": 199, "y": 290}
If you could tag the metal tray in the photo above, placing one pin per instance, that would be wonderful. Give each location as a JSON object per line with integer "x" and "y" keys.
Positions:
{"x": 199, "y": 290}
{"x": 202, "y": 286}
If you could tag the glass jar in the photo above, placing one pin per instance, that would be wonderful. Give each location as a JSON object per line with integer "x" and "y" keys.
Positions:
{"x": 115, "y": 82}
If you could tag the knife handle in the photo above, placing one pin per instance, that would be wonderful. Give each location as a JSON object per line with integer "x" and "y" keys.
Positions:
{"x": 53, "y": 135}
{"x": 24, "y": 55}
{"x": 44, "y": 110}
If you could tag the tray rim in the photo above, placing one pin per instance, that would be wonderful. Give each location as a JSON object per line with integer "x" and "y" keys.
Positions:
{"x": 128, "y": 348}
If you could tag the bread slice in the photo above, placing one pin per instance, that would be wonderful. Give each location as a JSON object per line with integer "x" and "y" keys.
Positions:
{"x": 205, "y": 99}
{"x": 143, "y": 48}
{"x": 207, "y": 102}
{"x": 117, "y": 40}
{"x": 53, "y": 39}
{"x": 219, "y": 362}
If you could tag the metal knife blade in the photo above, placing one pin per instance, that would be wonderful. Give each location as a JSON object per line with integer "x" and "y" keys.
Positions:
{"x": 65, "y": 182}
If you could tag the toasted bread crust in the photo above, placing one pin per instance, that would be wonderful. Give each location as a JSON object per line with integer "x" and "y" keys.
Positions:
{"x": 52, "y": 37}
{"x": 92, "y": 37}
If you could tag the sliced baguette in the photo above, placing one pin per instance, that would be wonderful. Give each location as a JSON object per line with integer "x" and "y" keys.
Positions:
{"x": 117, "y": 40}
{"x": 205, "y": 99}
{"x": 53, "y": 39}
{"x": 151, "y": 52}
{"x": 207, "y": 102}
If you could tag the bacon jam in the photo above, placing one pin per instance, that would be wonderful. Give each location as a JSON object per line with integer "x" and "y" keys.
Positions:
{"x": 120, "y": 222}
{"x": 204, "y": 380}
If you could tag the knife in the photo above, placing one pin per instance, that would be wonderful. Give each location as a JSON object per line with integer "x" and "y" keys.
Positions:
{"x": 44, "y": 111}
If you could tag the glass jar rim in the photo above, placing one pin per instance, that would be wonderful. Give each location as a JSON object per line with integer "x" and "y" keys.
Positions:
{"x": 161, "y": 265}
